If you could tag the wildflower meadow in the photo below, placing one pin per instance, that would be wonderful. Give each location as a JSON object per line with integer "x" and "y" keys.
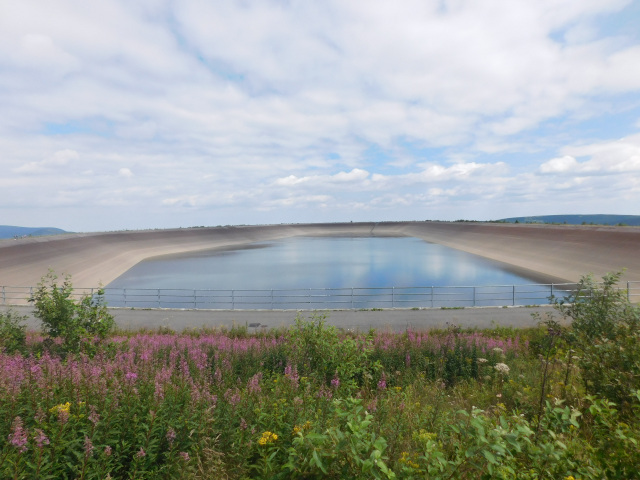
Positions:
{"x": 312, "y": 401}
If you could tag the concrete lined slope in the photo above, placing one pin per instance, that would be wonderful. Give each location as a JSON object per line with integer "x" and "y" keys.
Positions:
{"x": 553, "y": 252}
{"x": 97, "y": 258}
{"x": 560, "y": 253}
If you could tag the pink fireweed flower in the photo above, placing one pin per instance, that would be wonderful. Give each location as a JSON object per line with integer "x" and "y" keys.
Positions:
{"x": 41, "y": 438}
{"x": 233, "y": 397}
{"x": 184, "y": 456}
{"x": 36, "y": 371}
{"x": 325, "y": 392}
{"x": 141, "y": 453}
{"x": 19, "y": 435}
{"x": 253, "y": 385}
{"x": 40, "y": 416}
{"x": 291, "y": 373}
{"x": 63, "y": 416}
{"x": 159, "y": 391}
{"x": 171, "y": 435}
{"x": 382, "y": 384}
{"x": 108, "y": 451}
{"x": 88, "y": 446}
{"x": 93, "y": 415}
{"x": 335, "y": 382}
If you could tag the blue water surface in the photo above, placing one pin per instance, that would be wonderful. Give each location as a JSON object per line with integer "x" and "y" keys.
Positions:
{"x": 322, "y": 269}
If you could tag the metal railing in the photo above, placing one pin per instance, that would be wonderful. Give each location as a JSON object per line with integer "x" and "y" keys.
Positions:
{"x": 325, "y": 298}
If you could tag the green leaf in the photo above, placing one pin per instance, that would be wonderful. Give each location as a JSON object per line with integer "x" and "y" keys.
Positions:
{"x": 489, "y": 456}
{"x": 318, "y": 462}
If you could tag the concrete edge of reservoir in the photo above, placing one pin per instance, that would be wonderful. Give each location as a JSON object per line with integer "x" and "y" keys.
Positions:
{"x": 552, "y": 253}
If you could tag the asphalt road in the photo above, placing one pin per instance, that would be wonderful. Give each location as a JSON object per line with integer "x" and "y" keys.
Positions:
{"x": 357, "y": 320}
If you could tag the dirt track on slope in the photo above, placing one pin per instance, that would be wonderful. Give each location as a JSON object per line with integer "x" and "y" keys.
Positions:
{"x": 549, "y": 252}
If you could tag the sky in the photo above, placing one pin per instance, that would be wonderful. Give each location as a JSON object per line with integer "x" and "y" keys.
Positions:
{"x": 137, "y": 114}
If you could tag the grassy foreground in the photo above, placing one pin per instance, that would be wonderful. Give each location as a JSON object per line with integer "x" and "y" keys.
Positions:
{"x": 312, "y": 402}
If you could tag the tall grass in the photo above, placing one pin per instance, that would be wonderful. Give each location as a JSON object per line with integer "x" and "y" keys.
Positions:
{"x": 309, "y": 402}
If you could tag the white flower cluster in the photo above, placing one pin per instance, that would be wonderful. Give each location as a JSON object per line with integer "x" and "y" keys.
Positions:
{"x": 482, "y": 360}
{"x": 502, "y": 368}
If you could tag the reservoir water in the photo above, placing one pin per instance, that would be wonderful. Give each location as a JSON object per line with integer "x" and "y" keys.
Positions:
{"x": 321, "y": 272}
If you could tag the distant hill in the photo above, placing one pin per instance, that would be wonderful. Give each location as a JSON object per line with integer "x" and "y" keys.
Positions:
{"x": 631, "y": 220}
{"x": 8, "y": 231}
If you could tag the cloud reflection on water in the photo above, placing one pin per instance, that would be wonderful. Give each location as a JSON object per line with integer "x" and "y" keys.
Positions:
{"x": 320, "y": 262}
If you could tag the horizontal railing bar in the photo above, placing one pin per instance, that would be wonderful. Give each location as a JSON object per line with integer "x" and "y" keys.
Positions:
{"x": 353, "y": 297}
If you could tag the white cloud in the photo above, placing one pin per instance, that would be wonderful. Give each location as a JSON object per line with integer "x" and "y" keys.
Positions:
{"x": 611, "y": 157}
{"x": 249, "y": 106}
{"x": 59, "y": 159}
{"x": 354, "y": 176}
{"x": 560, "y": 165}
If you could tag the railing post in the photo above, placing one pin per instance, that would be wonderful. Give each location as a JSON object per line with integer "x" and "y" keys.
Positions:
{"x": 513, "y": 296}
{"x": 233, "y": 300}
{"x": 393, "y": 291}
{"x": 195, "y": 299}
{"x": 351, "y": 298}
{"x": 272, "y": 299}
{"x": 158, "y": 298}
{"x": 431, "y": 296}
{"x": 551, "y": 296}
{"x": 474, "y": 296}
{"x": 124, "y": 296}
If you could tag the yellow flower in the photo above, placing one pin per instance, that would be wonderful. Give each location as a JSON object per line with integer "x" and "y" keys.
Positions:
{"x": 406, "y": 459}
{"x": 267, "y": 437}
{"x": 299, "y": 428}
{"x": 63, "y": 407}
{"x": 397, "y": 389}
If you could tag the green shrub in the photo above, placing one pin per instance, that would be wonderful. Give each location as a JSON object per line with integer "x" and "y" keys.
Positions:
{"x": 348, "y": 449}
{"x": 616, "y": 444}
{"x": 605, "y": 334}
{"x": 597, "y": 309}
{"x": 12, "y": 333}
{"x": 76, "y": 323}
{"x": 317, "y": 349}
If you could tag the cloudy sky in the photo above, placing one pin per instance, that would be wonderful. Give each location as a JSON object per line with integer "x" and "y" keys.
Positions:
{"x": 165, "y": 113}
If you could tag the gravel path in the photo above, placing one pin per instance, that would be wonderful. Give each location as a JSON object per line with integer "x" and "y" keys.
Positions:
{"x": 357, "y": 320}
